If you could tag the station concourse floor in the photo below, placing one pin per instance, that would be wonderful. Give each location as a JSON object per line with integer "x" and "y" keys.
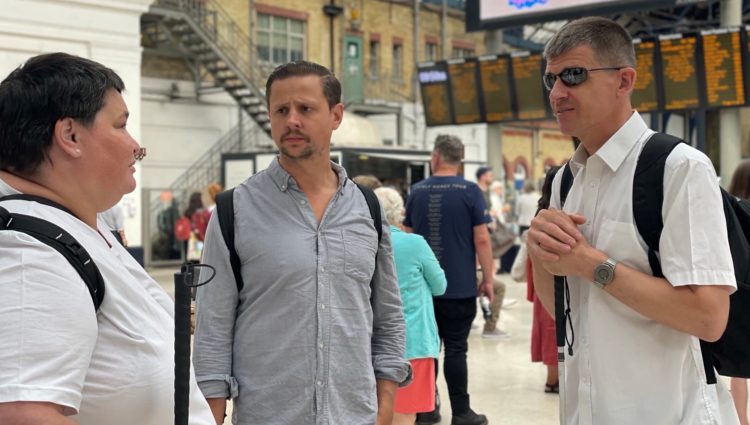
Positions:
{"x": 503, "y": 383}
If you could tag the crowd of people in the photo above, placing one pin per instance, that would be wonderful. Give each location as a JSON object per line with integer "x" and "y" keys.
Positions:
{"x": 334, "y": 300}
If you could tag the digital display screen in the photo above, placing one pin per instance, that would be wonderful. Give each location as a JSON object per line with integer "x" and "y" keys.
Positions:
{"x": 645, "y": 93}
{"x": 463, "y": 77}
{"x": 493, "y": 14}
{"x": 433, "y": 79}
{"x": 527, "y": 79}
{"x": 496, "y": 87}
{"x": 722, "y": 59}
{"x": 679, "y": 73}
{"x": 675, "y": 72}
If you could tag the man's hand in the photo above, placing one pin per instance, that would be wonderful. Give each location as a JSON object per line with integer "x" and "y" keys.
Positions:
{"x": 579, "y": 261}
{"x": 488, "y": 289}
{"x": 553, "y": 233}
{"x": 218, "y": 408}
{"x": 386, "y": 394}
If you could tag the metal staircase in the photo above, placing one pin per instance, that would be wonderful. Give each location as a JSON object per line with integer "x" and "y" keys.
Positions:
{"x": 206, "y": 32}
{"x": 207, "y": 169}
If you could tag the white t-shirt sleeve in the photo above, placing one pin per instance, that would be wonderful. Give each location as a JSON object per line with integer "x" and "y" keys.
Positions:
{"x": 694, "y": 249}
{"x": 48, "y": 325}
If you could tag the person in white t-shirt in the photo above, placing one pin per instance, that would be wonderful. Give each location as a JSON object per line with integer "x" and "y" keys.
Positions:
{"x": 634, "y": 355}
{"x": 63, "y": 137}
{"x": 526, "y": 206}
{"x": 114, "y": 220}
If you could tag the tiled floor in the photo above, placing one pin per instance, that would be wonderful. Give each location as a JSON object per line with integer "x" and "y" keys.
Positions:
{"x": 503, "y": 383}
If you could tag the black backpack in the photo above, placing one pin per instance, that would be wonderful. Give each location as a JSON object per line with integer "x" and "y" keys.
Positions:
{"x": 730, "y": 355}
{"x": 57, "y": 238}
{"x": 225, "y": 212}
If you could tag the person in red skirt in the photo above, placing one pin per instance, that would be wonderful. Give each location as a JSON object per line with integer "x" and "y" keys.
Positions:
{"x": 543, "y": 343}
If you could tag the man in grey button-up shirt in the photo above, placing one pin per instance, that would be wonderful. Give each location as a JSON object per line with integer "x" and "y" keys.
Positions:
{"x": 316, "y": 335}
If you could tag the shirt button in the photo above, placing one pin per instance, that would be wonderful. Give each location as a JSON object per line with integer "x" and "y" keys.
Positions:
{"x": 321, "y": 345}
{"x": 322, "y": 269}
{"x": 320, "y": 383}
{"x": 322, "y": 306}
{"x": 302, "y": 202}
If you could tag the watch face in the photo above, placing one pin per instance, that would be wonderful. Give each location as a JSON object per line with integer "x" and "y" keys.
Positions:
{"x": 603, "y": 274}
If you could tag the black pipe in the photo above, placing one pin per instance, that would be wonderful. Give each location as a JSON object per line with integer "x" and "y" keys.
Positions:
{"x": 332, "y": 10}
{"x": 182, "y": 345}
{"x": 333, "y": 43}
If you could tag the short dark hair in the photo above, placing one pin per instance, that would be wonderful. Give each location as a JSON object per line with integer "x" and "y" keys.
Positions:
{"x": 481, "y": 171}
{"x": 740, "y": 184}
{"x": 329, "y": 82}
{"x": 544, "y": 200}
{"x": 611, "y": 43}
{"x": 450, "y": 148}
{"x": 44, "y": 90}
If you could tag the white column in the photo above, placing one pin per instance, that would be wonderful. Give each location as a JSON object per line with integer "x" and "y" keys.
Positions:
{"x": 729, "y": 118}
{"x": 106, "y": 31}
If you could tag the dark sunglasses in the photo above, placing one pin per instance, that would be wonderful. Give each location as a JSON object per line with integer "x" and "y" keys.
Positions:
{"x": 573, "y": 76}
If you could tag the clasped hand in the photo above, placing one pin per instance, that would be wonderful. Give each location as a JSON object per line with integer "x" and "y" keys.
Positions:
{"x": 554, "y": 242}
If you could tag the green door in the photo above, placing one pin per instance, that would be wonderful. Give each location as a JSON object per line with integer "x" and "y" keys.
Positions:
{"x": 353, "y": 71}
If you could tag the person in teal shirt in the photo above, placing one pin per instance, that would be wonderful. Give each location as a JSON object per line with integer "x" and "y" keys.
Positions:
{"x": 419, "y": 279}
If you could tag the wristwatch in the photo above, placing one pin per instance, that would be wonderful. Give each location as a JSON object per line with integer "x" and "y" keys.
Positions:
{"x": 604, "y": 273}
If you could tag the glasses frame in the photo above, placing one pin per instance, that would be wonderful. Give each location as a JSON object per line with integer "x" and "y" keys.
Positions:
{"x": 582, "y": 72}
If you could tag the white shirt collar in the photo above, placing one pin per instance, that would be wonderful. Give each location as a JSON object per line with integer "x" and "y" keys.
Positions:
{"x": 6, "y": 189}
{"x": 614, "y": 151}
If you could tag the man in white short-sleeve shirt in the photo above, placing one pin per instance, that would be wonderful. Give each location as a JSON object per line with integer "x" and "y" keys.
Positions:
{"x": 636, "y": 355}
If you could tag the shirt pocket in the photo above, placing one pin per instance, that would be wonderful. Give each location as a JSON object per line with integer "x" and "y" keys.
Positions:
{"x": 359, "y": 257}
{"x": 621, "y": 241}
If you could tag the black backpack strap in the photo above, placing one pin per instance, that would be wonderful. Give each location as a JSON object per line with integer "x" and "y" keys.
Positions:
{"x": 561, "y": 312}
{"x": 565, "y": 183}
{"x": 648, "y": 193}
{"x": 225, "y": 214}
{"x": 648, "y": 200}
{"x": 60, "y": 240}
{"x": 374, "y": 205}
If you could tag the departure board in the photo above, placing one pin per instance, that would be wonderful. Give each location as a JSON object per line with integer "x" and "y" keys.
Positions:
{"x": 645, "y": 93}
{"x": 433, "y": 79}
{"x": 679, "y": 71}
{"x": 722, "y": 58}
{"x": 527, "y": 80}
{"x": 495, "y": 87}
{"x": 463, "y": 78}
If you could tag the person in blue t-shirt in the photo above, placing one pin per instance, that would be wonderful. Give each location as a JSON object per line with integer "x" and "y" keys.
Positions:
{"x": 451, "y": 214}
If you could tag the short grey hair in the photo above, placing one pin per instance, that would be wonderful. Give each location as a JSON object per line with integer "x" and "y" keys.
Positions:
{"x": 392, "y": 203}
{"x": 450, "y": 148}
{"x": 611, "y": 43}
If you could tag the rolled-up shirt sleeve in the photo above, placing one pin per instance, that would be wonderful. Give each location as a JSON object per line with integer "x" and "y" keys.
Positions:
{"x": 389, "y": 328}
{"x": 216, "y": 305}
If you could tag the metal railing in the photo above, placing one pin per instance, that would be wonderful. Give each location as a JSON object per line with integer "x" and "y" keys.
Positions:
{"x": 220, "y": 28}
{"x": 207, "y": 169}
